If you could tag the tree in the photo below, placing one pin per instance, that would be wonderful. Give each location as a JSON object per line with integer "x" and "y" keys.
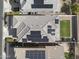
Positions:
{"x": 65, "y": 8}
{"x": 75, "y": 8}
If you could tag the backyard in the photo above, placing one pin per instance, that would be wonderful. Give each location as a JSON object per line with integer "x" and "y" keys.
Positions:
{"x": 65, "y": 28}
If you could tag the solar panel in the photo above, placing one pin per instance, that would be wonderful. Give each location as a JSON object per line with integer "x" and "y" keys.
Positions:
{"x": 40, "y": 4}
{"x": 35, "y": 54}
{"x": 35, "y": 36}
{"x": 36, "y": 33}
{"x": 56, "y": 21}
{"x": 49, "y": 26}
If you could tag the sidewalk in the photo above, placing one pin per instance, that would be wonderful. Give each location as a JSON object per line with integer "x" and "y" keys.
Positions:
{"x": 78, "y": 27}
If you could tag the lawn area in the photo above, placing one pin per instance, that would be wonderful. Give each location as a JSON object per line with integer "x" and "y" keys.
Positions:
{"x": 65, "y": 28}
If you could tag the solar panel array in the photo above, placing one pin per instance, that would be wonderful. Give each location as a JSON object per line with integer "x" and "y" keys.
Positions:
{"x": 40, "y": 4}
{"x": 35, "y": 36}
{"x": 35, "y": 54}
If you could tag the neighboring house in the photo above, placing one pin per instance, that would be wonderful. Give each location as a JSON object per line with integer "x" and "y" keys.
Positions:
{"x": 25, "y": 6}
{"x": 55, "y": 52}
{"x": 50, "y": 6}
{"x": 44, "y": 51}
{"x": 35, "y": 28}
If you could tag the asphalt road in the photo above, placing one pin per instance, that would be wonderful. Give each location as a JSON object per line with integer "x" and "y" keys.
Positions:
{"x": 1, "y": 12}
{"x": 74, "y": 29}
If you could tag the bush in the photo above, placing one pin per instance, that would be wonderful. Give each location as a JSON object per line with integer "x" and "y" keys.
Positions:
{"x": 9, "y": 39}
{"x": 65, "y": 8}
{"x": 75, "y": 8}
{"x": 13, "y": 13}
{"x": 69, "y": 55}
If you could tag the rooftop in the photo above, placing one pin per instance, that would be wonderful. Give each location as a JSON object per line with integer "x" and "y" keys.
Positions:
{"x": 46, "y": 26}
{"x": 25, "y": 6}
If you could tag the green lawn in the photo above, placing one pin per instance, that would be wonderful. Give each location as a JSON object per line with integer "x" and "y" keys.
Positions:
{"x": 65, "y": 28}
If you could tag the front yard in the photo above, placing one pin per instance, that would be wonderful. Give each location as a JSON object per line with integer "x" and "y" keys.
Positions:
{"x": 65, "y": 28}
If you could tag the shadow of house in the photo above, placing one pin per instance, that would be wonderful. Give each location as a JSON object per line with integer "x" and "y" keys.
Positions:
{"x": 10, "y": 24}
{"x": 15, "y": 4}
{"x": 12, "y": 31}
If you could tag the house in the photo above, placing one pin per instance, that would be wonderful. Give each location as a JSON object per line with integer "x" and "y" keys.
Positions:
{"x": 55, "y": 52}
{"x": 33, "y": 28}
{"x": 34, "y": 51}
{"x": 42, "y": 6}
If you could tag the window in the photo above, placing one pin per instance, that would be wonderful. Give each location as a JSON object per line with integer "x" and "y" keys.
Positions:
{"x": 35, "y": 54}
